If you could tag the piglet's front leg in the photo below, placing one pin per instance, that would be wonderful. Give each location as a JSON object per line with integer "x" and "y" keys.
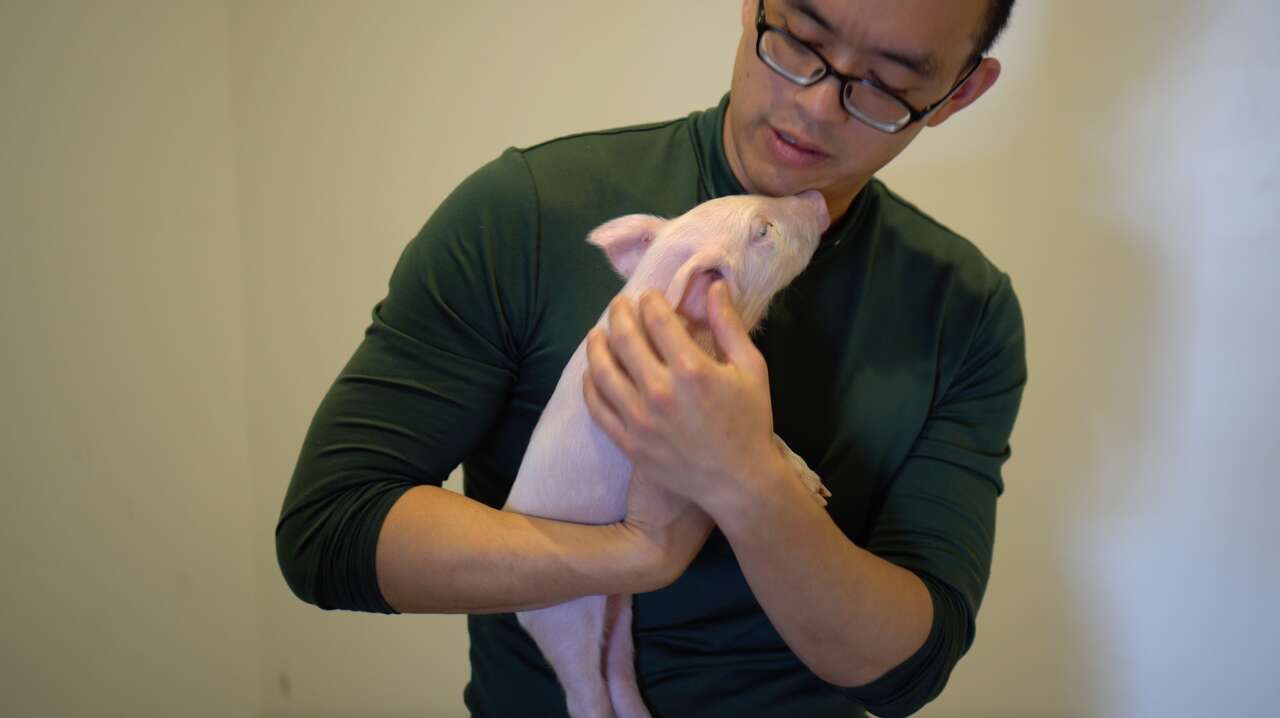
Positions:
{"x": 802, "y": 472}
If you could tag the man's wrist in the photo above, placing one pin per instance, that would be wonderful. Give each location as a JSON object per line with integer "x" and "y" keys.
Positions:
{"x": 741, "y": 497}
{"x": 633, "y": 562}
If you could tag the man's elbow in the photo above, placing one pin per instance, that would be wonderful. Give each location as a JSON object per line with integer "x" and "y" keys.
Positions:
{"x": 327, "y": 554}
{"x": 295, "y": 565}
{"x": 900, "y": 691}
{"x": 853, "y": 677}
{"x": 907, "y": 687}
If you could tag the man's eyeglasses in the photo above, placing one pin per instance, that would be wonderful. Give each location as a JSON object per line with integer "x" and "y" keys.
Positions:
{"x": 863, "y": 98}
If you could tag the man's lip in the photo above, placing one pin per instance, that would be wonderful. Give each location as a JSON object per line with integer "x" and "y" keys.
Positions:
{"x": 799, "y": 141}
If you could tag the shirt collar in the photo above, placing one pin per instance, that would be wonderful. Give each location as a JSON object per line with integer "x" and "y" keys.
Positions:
{"x": 716, "y": 178}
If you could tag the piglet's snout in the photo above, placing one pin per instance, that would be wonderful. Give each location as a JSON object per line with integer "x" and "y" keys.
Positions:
{"x": 816, "y": 208}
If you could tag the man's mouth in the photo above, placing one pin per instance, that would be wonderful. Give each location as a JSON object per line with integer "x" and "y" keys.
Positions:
{"x": 801, "y": 145}
{"x": 794, "y": 151}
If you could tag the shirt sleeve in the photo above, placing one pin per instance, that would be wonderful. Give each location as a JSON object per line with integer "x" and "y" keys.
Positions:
{"x": 938, "y": 517}
{"x": 426, "y": 382}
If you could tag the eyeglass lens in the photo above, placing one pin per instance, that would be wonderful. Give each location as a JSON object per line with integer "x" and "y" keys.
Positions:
{"x": 799, "y": 64}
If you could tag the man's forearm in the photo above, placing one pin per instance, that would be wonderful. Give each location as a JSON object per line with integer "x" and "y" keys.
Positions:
{"x": 440, "y": 552}
{"x": 846, "y": 613}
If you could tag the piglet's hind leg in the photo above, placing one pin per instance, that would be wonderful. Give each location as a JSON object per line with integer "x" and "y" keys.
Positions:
{"x": 620, "y": 666}
{"x": 571, "y": 637}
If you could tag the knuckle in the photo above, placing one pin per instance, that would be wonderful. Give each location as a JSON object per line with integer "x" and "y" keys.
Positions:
{"x": 643, "y": 424}
{"x": 688, "y": 369}
{"x": 619, "y": 309}
{"x": 622, "y": 341}
{"x": 699, "y": 375}
{"x": 597, "y": 348}
{"x": 662, "y": 395}
{"x": 663, "y": 401}
{"x": 597, "y": 373}
{"x": 698, "y": 381}
{"x": 625, "y": 444}
{"x": 654, "y": 314}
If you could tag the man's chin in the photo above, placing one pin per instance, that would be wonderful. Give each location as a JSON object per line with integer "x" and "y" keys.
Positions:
{"x": 781, "y": 182}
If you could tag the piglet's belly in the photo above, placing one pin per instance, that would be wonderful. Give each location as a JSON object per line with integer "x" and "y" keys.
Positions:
{"x": 583, "y": 484}
{"x": 571, "y": 470}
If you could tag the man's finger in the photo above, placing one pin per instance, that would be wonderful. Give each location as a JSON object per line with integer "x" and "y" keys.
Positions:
{"x": 604, "y": 415}
{"x": 630, "y": 344}
{"x": 672, "y": 341}
{"x": 726, "y": 326}
{"x": 608, "y": 379}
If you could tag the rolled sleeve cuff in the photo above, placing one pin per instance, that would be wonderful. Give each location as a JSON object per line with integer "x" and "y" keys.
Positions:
{"x": 907, "y": 687}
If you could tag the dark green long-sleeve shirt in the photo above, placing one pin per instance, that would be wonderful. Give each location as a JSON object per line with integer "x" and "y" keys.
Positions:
{"x": 896, "y": 366}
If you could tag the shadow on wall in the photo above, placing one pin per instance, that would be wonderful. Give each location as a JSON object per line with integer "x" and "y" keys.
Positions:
{"x": 1063, "y": 210}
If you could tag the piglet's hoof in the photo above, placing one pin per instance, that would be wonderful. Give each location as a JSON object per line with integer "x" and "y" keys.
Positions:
{"x": 803, "y": 472}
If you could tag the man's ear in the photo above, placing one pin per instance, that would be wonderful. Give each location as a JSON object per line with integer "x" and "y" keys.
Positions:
{"x": 625, "y": 240}
{"x": 976, "y": 86}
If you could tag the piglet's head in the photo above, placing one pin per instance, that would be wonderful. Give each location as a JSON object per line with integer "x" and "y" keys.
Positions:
{"x": 756, "y": 244}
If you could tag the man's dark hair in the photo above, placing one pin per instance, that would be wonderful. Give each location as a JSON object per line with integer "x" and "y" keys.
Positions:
{"x": 993, "y": 24}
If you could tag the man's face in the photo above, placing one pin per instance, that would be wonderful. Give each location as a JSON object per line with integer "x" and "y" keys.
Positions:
{"x": 859, "y": 38}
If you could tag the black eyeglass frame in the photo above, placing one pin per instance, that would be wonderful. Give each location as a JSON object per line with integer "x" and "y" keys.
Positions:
{"x": 914, "y": 115}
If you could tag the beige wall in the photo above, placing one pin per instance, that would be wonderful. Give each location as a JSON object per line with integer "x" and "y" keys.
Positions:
{"x": 201, "y": 203}
{"x": 127, "y": 531}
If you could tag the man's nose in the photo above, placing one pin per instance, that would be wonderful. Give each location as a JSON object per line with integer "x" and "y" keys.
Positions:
{"x": 821, "y": 100}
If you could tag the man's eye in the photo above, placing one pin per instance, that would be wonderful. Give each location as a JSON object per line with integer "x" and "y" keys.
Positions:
{"x": 800, "y": 35}
{"x": 891, "y": 88}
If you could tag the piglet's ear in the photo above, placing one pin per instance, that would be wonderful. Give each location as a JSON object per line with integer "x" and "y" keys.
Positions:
{"x": 625, "y": 240}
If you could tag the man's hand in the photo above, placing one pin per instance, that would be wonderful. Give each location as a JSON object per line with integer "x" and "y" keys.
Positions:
{"x": 669, "y": 530}
{"x": 696, "y": 425}
{"x": 702, "y": 428}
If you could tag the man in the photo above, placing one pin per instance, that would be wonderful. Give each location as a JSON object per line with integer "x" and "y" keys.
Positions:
{"x": 894, "y": 365}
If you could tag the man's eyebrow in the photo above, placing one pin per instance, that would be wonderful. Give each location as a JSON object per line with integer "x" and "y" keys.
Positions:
{"x": 803, "y": 7}
{"x": 919, "y": 64}
{"x": 922, "y": 65}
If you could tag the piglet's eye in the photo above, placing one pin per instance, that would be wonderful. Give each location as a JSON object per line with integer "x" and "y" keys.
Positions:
{"x": 762, "y": 228}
